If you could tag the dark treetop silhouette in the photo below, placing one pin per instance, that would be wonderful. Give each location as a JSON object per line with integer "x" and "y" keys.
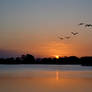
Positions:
{"x": 29, "y": 59}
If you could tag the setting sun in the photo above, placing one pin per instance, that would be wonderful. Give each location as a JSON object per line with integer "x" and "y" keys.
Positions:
{"x": 57, "y": 57}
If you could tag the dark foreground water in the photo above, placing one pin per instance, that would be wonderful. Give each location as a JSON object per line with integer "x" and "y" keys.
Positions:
{"x": 45, "y": 78}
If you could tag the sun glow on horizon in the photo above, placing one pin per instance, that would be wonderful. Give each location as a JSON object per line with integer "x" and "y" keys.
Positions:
{"x": 57, "y": 57}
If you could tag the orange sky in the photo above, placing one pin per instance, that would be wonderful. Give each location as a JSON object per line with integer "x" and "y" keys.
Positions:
{"x": 34, "y": 26}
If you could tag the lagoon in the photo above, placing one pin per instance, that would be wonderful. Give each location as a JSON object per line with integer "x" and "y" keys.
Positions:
{"x": 45, "y": 78}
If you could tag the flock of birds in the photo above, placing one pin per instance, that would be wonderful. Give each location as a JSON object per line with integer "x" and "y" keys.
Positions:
{"x": 76, "y": 33}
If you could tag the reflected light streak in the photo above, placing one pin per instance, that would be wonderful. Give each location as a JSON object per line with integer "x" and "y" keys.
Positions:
{"x": 57, "y": 75}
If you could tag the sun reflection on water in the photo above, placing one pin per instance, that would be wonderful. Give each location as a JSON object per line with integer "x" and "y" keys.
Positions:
{"x": 57, "y": 75}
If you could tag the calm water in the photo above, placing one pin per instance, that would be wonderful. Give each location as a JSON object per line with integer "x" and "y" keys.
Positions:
{"x": 45, "y": 78}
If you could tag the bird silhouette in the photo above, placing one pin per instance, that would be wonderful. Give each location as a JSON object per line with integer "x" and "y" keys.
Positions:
{"x": 81, "y": 24}
{"x": 88, "y": 25}
{"x": 67, "y": 37}
{"x": 61, "y": 38}
{"x": 74, "y": 33}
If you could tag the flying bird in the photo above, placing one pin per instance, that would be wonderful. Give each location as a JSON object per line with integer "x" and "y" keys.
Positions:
{"x": 67, "y": 37}
{"x": 88, "y": 25}
{"x": 74, "y": 33}
{"x": 61, "y": 38}
{"x": 81, "y": 24}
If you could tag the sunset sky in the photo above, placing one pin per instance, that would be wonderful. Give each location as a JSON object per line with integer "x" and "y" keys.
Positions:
{"x": 33, "y": 26}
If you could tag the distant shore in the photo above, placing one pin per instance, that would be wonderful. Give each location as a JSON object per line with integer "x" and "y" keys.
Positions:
{"x": 29, "y": 59}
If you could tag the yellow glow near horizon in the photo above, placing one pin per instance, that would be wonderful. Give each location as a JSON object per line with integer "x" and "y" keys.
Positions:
{"x": 57, "y": 57}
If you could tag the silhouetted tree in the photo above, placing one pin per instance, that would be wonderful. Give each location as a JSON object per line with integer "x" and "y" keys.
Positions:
{"x": 86, "y": 61}
{"x": 28, "y": 59}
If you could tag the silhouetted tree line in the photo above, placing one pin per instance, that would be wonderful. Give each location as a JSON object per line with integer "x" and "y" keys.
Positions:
{"x": 29, "y": 59}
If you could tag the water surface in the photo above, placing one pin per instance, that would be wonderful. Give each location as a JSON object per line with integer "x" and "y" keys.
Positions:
{"x": 45, "y": 78}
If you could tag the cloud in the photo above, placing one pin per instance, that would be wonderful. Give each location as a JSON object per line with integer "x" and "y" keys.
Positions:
{"x": 8, "y": 53}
